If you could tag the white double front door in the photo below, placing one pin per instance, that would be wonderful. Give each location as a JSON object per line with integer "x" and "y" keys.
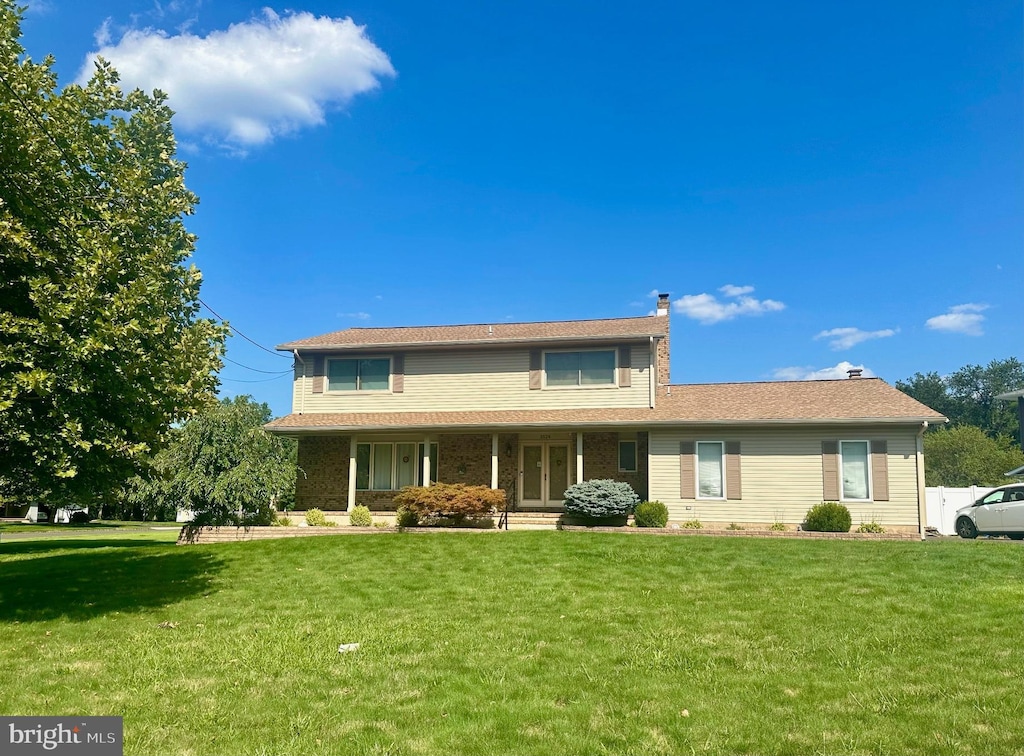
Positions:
{"x": 544, "y": 473}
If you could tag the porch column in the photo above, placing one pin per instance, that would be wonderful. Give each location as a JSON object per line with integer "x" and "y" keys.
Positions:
{"x": 579, "y": 457}
{"x": 351, "y": 473}
{"x": 494, "y": 460}
{"x": 426, "y": 462}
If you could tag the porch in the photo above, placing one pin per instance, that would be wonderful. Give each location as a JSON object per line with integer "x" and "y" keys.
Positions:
{"x": 340, "y": 471}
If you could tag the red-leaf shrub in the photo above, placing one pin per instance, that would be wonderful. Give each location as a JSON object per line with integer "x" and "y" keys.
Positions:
{"x": 453, "y": 501}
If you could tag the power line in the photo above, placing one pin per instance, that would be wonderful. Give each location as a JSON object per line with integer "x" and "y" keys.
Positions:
{"x": 254, "y": 343}
{"x": 257, "y": 380}
{"x": 256, "y": 370}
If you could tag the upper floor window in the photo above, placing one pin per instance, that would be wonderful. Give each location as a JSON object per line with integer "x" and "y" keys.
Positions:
{"x": 366, "y": 374}
{"x": 590, "y": 368}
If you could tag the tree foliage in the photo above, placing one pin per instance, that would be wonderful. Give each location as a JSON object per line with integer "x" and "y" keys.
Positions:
{"x": 223, "y": 466}
{"x": 967, "y": 396}
{"x": 964, "y": 456}
{"x": 101, "y": 349}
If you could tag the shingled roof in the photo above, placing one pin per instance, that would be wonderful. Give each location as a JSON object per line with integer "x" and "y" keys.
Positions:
{"x": 483, "y": 333}
{"x": 860, "y": 400}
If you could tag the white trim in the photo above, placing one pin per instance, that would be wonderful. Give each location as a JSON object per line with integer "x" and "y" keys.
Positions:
{"x": 352, "y": 472}
{"x": 579, "y": 386}
{"x": 494, "y": 460}
{"x": 696, "y": 455}
{"x": 652, "y": 381}
{"x": 842, "y": 487}
{"x": 579, "y": 457}
{"x": 394, "y": 444}
{"x": 357, "y": 391}
{"x": 428, "y": 474}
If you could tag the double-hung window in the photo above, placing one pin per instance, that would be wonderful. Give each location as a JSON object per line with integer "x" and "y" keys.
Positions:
{"x": 387, "y": 466}
{"x": 360, "y": 374}
{"x": 627, "y": 456}
{"x": 710, "y": 470}
{"x": 586, "y": 368}
{"x": 855, "y": 466}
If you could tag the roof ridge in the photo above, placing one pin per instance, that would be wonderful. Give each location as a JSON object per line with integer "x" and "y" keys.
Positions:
{"x": 492, "y": 323}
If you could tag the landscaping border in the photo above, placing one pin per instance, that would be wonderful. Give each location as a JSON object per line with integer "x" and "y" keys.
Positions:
{"x": 749, "y": 533}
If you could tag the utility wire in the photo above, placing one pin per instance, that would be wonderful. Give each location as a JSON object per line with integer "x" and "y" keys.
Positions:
{"x": 254, "y": 343}
{"x": 256, "y": 370}
{"x": 257, "y": 380}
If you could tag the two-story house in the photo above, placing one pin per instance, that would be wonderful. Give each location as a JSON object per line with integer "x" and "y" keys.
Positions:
{"x": 534, "y": 407}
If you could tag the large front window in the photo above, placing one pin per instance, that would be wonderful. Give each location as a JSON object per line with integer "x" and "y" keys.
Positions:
{"x": 710, "y": 475}
{"x": 854, "y": 455}
{"x": 386, "y": 466}
{"x": 359, "y": 374}
{"x": 590, "y": 368}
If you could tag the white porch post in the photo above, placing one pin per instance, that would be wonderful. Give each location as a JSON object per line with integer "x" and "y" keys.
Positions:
{"x": 427, "y": 475}
{"x": 494, "y": 460}
{"x": 579, "y": 457}
{"x": 351, "y": 473}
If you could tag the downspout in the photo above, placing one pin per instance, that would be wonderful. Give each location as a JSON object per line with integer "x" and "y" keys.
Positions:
{"x": 922, "y": 504}
{"x": 302, "y": 393}
{"x": 651, "y": 369}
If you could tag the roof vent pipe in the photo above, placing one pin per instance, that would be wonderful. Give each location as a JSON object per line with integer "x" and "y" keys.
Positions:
{"x": 854, "y": 372}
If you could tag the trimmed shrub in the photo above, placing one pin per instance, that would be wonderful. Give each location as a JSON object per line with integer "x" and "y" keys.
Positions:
{"x": 599, "y": 499}
{"x": 692, "y": 525}
{"x": 317, "y": 519}
{"x": 828, "y": 517}
{"x": 870, "y": 527}
{"x": 406, "y": 518}
{"x": 360, "y": 517}
{"x": 450, "y": 501}
{"x": 79, "y": 517}
{"x": 651, "y": 514}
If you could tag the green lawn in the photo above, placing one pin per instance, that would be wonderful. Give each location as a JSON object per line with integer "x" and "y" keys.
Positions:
{"x": 66, "y": 528}
{"x": 533, "y": 642}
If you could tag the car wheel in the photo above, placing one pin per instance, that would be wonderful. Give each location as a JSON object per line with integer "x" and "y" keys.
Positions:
{"x": 1016, "y": 536}
{"x": 965, "y": 528}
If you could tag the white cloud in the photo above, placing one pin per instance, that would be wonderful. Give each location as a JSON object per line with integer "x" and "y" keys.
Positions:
{"x": 844, "y": 338}
{"x": 965, "y": 319}
{"x": 354, "y": 315}
{"x": 823, "y": 374}
{"x": 653, "y": 294}
{"x": 707, "y": 308}
{"x": 253, "y": 82}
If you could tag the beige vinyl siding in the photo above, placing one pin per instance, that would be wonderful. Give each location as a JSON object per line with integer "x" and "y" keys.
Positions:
{"x": 463, "y": 380}
{"x": 782, "y": 475}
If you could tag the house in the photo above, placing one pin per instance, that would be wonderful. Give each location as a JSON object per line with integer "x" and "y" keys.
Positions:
{"x": 534, "y": 407}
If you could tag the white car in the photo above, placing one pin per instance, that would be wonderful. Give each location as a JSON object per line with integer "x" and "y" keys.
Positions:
{"x": 999, "y": 512}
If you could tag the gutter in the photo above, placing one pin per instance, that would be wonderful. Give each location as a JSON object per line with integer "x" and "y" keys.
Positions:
{"x": 610, "y": 338}
{"x": 922, "y": 504}
{"x": 302, "y": 394}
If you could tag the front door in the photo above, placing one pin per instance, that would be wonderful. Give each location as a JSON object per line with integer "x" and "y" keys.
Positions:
{"x": 544, "y": 472}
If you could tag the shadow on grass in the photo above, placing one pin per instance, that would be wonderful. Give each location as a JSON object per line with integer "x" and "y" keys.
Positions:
{"x": 99, "y": 577}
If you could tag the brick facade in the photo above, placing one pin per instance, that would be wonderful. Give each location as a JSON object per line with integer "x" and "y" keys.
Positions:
{"x": 323, "y": 478}
{"x": 601, "y": 459}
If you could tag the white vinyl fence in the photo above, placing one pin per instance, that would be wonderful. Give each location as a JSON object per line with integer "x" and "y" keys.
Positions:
{"x": 941, "y": 504}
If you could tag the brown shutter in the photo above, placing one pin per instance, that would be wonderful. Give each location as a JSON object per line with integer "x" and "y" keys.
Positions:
{"x": 625, "y": 367}
{"x": 830, "y": 470}
{"x": 398, "y": 373}
{"x": 687, "y": 470}
{"x": 318, "y": 374}
{"x": 880, "y": 470}
{"x": 733, "y": 483}
{"x": 535, "y": 369}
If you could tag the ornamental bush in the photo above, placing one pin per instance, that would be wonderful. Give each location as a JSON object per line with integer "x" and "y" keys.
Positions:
{"x": 828, "y": 517}
{"x": 600, "y": 498}
{"x": 450, "y": 501}
{"x": 651, "y": 514}
{"x": 870, "y": 527}
{"x": 316, "y": 519}
{"x": 406, "y": 518}
{"x": 360, "y": 517}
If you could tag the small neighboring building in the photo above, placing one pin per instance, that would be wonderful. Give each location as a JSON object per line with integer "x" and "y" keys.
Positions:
{"x": 534, "y": 407}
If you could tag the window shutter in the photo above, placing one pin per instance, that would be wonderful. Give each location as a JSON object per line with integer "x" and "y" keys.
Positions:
{"x": 687, "y": 472}
{"x": 318, "y": 374}
{"x": 830, "y": 470}
{"x": 625, "y": 367}
{"x": 880, "y": 470}
{"x": 535, "y": 369}
{"x": 398, "y": 373}
{"x": 733, "y": 483}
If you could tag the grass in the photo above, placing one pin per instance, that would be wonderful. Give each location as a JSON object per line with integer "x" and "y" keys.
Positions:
{"x": 50, "y": 527}
{"x": 533, "y": 642}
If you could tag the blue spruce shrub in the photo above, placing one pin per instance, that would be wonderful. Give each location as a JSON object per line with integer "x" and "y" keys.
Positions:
{"x": 598, "y": 499}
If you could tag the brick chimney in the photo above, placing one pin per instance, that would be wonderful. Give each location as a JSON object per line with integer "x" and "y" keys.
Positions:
{"x": 663, "y": 351}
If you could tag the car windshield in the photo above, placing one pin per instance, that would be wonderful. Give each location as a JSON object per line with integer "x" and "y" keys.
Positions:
{"x": 993, "y": 498}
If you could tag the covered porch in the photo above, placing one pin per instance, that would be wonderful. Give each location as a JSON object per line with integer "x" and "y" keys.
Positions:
{"x": 533, "y": 466}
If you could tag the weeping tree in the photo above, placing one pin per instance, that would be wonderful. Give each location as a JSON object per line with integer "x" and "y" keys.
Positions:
{"x": 102, "y": 350}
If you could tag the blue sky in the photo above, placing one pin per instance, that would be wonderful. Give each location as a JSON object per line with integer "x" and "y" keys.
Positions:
{"x": 815, "y": 184}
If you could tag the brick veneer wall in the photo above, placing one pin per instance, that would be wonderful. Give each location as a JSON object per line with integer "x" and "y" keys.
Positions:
{"x": 465, "y": 458}
{"x": 323, "y": 478}
{"x": 601, "y": 460}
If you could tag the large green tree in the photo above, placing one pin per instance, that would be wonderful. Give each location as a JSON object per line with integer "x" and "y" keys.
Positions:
{"x": 967, "y": 396}
{"x": 964, "y": 456}
{"x": 101, "y": 346}
{"x": 223, "y": 466}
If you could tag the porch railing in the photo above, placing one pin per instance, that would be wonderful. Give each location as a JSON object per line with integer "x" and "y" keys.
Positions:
{"x": 510, "y": 503}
